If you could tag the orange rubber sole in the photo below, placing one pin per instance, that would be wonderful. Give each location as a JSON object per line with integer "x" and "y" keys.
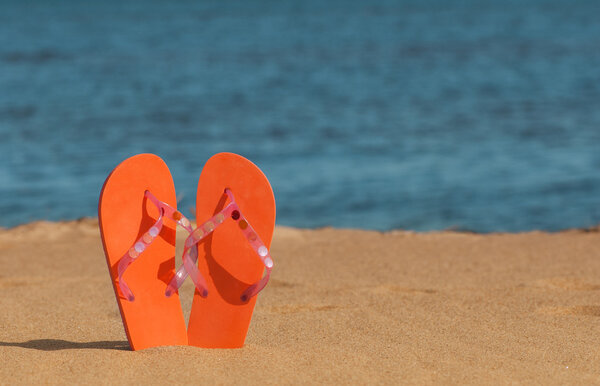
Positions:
{"x": 225, "y": 258}
{"x": 125, "y": 214}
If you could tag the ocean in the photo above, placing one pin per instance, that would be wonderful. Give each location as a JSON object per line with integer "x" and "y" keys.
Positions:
{"x": 470, "y": 115}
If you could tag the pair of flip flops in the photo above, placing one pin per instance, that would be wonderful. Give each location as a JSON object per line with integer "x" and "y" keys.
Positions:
{"x": 225, "y": 255}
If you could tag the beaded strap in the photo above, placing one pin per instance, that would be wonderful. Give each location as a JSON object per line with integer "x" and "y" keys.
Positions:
{"x": 189, "y": 261}
{"x": 148, "y": 237}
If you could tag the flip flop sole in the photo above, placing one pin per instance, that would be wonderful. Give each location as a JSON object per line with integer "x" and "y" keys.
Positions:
{"x": 125, "y": 214}
{"x": 226, "y": 259}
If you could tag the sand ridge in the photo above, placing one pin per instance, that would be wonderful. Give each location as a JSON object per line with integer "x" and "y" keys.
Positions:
{"x": 342, "y": 306}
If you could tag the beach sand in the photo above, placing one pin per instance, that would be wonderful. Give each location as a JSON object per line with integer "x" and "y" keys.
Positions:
{"x": 343, "y": 306}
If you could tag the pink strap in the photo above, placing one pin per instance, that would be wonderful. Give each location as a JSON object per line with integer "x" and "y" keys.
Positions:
{"x": 189, "y": 260}
{"x": 148, "y": 237}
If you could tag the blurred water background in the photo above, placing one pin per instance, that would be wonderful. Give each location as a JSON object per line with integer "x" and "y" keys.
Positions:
{"x": 424, "y": 115}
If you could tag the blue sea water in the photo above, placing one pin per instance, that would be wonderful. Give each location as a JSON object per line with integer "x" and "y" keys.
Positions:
{"x": 424, "y": 115}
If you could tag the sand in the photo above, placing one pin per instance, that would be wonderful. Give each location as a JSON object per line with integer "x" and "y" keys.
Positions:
{"x": 343, "y": 306}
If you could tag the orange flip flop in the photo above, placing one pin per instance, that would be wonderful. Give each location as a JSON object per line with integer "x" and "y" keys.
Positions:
{"x": 137, "y": 224}
{"x": 234, "y": 252}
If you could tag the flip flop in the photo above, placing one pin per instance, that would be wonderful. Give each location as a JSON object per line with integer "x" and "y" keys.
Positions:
{"x": 137, "y": 224}
{"x": 233, "y": 249}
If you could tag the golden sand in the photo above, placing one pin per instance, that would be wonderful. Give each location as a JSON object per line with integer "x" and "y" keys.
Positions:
{"x": 343, "y": 306}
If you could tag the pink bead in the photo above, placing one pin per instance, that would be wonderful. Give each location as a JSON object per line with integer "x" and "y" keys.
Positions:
{"x": 198, "y": 234}
{"x": 139, "y": 247}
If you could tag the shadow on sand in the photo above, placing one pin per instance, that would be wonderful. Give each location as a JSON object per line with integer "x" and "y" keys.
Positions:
{"x": 59, "y": 344}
